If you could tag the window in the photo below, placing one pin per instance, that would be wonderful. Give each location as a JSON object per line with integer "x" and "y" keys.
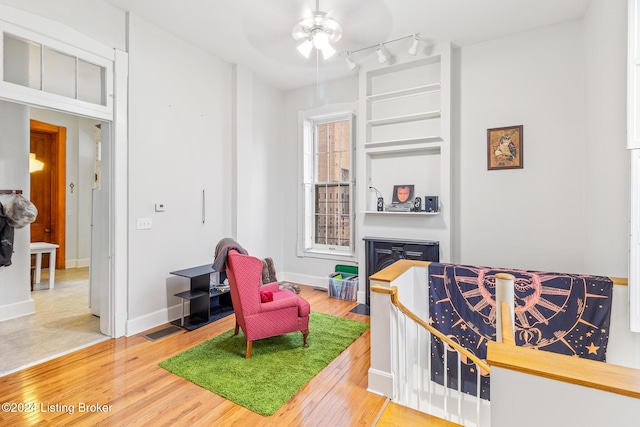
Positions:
{"x": 328, "y": 183}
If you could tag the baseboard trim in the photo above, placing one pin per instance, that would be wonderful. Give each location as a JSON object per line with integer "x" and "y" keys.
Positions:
{"x": 155, "y": 319}
{"x": 304, "y": 279}
{"x": 380, "y": 383}
{"x": 77, "y": 263}
{"x": 18, "y": 309}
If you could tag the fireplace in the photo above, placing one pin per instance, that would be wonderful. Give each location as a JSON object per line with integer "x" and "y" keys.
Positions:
{"x": 381, "y": 252}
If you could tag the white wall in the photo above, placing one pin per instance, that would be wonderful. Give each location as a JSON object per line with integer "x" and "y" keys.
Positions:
{"x": 80, "y": 150}
{"x": 258, "y": 167}
{"x": 607, "y": 160}
{"x": 536, "y": 217}
{"x": 268, "y": 174}
{"x": 15, "y": 299}
{"x": 565, "y": 404}
{"x": 94, "y": 18}
{"x": 179, "y": 145}
{"x": 607, "y": 165}
{"x": 307, "y": 270}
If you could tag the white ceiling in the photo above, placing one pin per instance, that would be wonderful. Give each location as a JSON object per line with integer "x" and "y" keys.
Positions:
{"x": 257, "y": 33}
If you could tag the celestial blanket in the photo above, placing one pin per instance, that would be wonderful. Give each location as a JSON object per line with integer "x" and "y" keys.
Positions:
{"x": 562, "y": 313}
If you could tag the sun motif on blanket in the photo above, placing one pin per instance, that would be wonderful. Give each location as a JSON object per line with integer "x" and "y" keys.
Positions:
{"x": 560, "y": 306}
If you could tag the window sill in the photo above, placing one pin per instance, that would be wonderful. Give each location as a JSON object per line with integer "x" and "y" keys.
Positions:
{"x": 325, "y": 254}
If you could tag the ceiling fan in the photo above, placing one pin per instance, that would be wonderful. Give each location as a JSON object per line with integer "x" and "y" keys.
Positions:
{"x": 318, "y": 31}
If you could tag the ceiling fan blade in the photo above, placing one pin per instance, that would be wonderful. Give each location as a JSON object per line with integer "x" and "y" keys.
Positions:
{"x": 299, "y": 32}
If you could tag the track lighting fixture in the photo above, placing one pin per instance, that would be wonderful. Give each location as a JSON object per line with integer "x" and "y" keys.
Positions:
{"x": 382, "y": 53}
{"x": 413, "y": 50}
{"x": 352, "y": 65}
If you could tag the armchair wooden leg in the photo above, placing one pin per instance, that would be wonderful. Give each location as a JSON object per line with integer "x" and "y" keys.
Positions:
{"x": 249, "y": 348}
{"x": 237, "y": 327}
{"x": 305, "y": 334}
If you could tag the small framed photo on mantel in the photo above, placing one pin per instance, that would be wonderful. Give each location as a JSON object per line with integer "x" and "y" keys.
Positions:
{"x": 504, "y": 148}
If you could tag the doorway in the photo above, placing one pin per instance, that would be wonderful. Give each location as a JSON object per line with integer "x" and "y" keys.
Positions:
{"x": 109, "y": 108}
{"x": 48, "y": 144}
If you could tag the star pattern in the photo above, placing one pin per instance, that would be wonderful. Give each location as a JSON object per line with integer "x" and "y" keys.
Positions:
{"x": 593, "y": 349}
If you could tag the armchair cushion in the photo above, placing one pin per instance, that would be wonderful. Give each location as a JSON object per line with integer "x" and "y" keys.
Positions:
{"x": 266, "y": 296}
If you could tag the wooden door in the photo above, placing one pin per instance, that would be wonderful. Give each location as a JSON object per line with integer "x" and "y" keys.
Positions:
{"x": 48, "y": 143}
{"x": 41, "y": 144}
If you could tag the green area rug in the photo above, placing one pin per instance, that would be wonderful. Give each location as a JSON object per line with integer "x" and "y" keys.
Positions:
{"x": 278, "y": 367}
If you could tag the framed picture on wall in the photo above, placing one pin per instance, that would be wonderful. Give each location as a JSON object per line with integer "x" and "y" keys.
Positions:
{"x": 504, "y": 148}
{"x": 402, "y": 193}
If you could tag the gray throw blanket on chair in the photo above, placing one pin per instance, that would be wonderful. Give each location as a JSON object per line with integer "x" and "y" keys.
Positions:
{"x": 222, "y": 249}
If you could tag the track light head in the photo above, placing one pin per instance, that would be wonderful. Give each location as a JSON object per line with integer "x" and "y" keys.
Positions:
{"x": 413, "y": 50}
{"x": 383, "y": 55}
{"x": 352, "y": 65}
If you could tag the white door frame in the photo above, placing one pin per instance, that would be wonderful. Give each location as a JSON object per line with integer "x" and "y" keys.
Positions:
{"x": 114, "y": 298}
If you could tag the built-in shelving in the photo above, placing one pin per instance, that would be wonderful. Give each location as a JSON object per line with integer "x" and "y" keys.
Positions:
{"x": 405, "y": 93}
{"x": 405, "y": 118}
{"x": 402, "y": 141}
{"x": 405, "y": 140}
{"x": 401, "y": 213}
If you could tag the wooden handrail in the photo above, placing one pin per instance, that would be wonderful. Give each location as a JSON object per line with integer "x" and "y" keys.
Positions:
{"x": 390, "y": 273}
{"x": 622, "y": 281}
{"x": 393, "y": 292}
{"x": 560, "y": 367}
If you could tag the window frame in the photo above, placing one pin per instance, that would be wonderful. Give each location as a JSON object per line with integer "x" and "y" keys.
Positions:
{"x": 308, "y": 122}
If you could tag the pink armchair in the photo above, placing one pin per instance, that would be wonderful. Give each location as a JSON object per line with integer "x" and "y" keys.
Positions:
{"x": 286, "y": 313}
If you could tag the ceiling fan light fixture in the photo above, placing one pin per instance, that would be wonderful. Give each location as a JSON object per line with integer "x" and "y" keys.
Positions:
{"x": 320, "y": 39}
{"x": 328, "y": 51}
{"x": 321, "y": 31}
{"x": 305, "y": 48}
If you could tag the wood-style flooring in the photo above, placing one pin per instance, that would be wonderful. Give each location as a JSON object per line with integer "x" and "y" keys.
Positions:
{"x": 118, "y": 383}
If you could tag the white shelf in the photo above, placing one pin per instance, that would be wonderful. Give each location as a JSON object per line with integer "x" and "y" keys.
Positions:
{"x": 402, "y": 141}
{"x": 406, "y": 118}
{"x": 402, "y": 213}
{"x": 404, "y": 93}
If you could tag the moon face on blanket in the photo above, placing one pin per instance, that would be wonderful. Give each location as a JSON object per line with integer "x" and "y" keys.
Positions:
{"x": 559, "y": 308}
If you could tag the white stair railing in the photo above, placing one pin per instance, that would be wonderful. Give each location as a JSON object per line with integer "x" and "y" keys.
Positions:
{"x": 410, "y": 365}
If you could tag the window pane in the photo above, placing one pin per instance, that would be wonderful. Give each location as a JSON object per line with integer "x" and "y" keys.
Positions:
{"x": 59, "y": 73}
{"x": 345, "y": 230}
{"x": 91, "y": 86}
{"x": 322, "y": 167}
{"x": 331, "y": 210}
{"x": 21, "y": 62}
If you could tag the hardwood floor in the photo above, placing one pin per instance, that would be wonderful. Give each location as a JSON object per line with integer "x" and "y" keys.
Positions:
{"x": 122, "y": 380}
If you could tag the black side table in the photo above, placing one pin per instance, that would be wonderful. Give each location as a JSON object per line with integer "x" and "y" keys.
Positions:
{"x": 205, "y": 306}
